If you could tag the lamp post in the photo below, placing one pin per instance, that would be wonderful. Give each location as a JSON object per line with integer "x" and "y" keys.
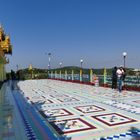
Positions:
{"x": 60, "y": 64}
{"x": 124, "y": 57}
{"x": 49, "y": 70}
{"x": 81, "y": 73}
{"x": 49, "y": 65}
{"x": 81, "y": 61}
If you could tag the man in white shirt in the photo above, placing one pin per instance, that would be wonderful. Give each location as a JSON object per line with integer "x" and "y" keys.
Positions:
{"x": 120, "y": 73}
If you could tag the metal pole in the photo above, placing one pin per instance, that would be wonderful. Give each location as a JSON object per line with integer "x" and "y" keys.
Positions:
{"x": 49, "y": 54}
{"x": 124, "y": 56}
{"x": 124, "y": 60}
{"x": 81, "y": 70}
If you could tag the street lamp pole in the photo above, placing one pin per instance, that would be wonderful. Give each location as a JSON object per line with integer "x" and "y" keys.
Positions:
{"x": 49, "y": 65}
{"x": 81, "y": 61}
{"x": 124, "y": 57}
{"x": 60, "y": 64}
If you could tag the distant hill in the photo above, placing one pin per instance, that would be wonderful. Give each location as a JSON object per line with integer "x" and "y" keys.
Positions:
{"x": 35, "y": 70}
{"x": 43, "y": 73}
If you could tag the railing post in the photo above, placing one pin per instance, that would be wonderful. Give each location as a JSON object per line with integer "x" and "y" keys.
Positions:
{"x": 91, "y": 75}
{"x": 66, "y": 74}
{"x": 72, "y": 75}
{"x": 81, "y": 73}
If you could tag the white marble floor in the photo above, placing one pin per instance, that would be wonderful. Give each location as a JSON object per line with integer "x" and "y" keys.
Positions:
{"x": 84, "y": 112}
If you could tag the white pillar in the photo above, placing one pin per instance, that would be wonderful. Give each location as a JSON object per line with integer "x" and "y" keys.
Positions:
{"x": 72, "y": 74}
{"x": 55, "y": 74}
{"x": 51, "y": 74}
{"x": 66, "y": 74}
{"x": 81, "y": 79}
{"x": 60, "y": 76}
{"x": 91, "y": 75}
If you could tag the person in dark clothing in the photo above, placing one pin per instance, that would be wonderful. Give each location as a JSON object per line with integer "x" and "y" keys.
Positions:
{"x": 13, "y": 78}
{"x": 18, "y": 75}
{"x": 13, "y": 75}
{"x": 114, "y": 78}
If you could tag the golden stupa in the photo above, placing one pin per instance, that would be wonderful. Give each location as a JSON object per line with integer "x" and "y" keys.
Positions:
{"x": 5, "y": 48}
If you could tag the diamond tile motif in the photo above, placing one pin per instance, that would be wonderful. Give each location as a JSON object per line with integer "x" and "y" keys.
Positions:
{"x": 113, "y": 119}
{"x": 70, "y": 99}
{"x": 71, "y": 125}
{"x": 137, "y": 101}
{"x": 57, "y": 112}
{"x": 89, "y": 109}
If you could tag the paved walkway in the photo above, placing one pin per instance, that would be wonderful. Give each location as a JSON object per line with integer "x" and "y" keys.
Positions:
{"x": 11, "y": 125}
{"x": 56, "y": 110}
{"x": 76, "y": 111}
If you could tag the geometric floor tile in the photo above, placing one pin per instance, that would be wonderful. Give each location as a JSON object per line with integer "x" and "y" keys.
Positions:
{"x": 138, "y": 101}
{"x": 113, "y": 119}
{"x": 124, "y": 106}
{"x": 57, "y": 112}
{"x": 59, "y": 96}
{"x": 46, "y": 101}
{"x": 71, "y": 109}
{"x": 68, "y": 99}
{"x": 89, "y": 109}
{"x": 71, "y": 125}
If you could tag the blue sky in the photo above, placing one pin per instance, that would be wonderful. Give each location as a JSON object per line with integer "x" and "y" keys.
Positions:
{"x": 98, "y": 31}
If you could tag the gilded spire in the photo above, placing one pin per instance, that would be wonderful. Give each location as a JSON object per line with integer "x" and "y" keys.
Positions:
{"x": 5, "y": 44}
{"x": 1, "y": 29}
{"x": 30, "y": 67}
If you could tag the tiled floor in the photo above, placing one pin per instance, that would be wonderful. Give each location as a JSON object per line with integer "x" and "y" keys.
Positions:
{"x": 84, "y": 112}
{"x": 51, "y": 110}
{"x": 11, "y": 126}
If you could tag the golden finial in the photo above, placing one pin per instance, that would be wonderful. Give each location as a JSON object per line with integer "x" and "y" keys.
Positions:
{"x": 1, "y": 28}
{"x": 7, "y": 38}
{"x": 30, "y": 67}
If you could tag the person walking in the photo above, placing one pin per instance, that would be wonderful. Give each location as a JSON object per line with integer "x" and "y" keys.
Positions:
{"x": 120, "y": 73}
{"x": 114, "y": 78}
